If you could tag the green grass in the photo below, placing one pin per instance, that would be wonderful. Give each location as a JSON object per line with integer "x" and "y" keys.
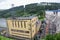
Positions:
{"x": 4, "y": 38}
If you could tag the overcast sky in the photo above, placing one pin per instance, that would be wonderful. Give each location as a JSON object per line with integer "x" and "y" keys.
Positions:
{"x": 6, "y": 4}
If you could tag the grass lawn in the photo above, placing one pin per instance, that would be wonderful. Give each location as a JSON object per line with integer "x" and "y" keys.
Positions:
{"x": 4, "y": 38}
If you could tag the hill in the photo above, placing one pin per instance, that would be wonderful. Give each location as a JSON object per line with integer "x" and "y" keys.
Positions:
{"x": 30, "y": 9}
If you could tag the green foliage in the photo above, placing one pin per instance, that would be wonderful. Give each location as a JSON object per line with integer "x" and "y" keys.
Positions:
{"x": 49, "y": 37}
{"x": 57, "y": 36}
{"x": 4, "y": 38}
{"x": 53, "y": 37}
{"x": 30, "y": 9}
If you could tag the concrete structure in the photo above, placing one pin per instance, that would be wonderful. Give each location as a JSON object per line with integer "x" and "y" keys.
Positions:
{"x": 51, "y": 17}
{"x": 58, "y": 24}
{"x": 23, "y": 27}
{"x": 52, "y": 12}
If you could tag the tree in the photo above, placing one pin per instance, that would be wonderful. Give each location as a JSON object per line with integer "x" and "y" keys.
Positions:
{"x": 53, "y": 37}
{"x": 49, "y": 37}
{"x": 57, "y": 36}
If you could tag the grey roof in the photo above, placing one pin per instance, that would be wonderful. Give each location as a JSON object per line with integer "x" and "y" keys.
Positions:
{"x": 30, "y": 17}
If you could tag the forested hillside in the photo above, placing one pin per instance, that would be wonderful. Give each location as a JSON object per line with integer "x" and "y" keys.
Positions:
{"x": 30, "y": 9}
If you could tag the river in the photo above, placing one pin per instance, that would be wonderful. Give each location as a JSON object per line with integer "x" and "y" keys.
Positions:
{"x": 3, "y": 22}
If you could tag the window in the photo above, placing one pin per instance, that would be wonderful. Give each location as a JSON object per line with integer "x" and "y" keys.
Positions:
{"x": 26, "y": 31}
{"x": 13, "y": 30}
{"x": 17, "y": 30}
{"x": 13, "y": 23}
{"x": 21, "y": 24}
{"x": 24, "y": 24}
{"x": 18, "y": 23}
{"x": 22, "y": 31}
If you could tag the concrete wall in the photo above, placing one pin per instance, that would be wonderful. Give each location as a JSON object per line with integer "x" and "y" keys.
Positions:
{"x": 51, "y": 13}
{"x": 58, "y": 13}
{"x": 48, "y": 14}
{"x": 58, "y": 26}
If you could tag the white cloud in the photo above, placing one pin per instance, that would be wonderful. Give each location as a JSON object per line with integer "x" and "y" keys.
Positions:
{"x": 2, "y": 0}
{"x": 7, "y": 4}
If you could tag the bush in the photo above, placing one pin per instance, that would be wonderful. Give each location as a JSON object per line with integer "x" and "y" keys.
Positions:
{"x": 53, "y": 37}
{"x": 4, "y": 38}
{"x": 49, "y": 37}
